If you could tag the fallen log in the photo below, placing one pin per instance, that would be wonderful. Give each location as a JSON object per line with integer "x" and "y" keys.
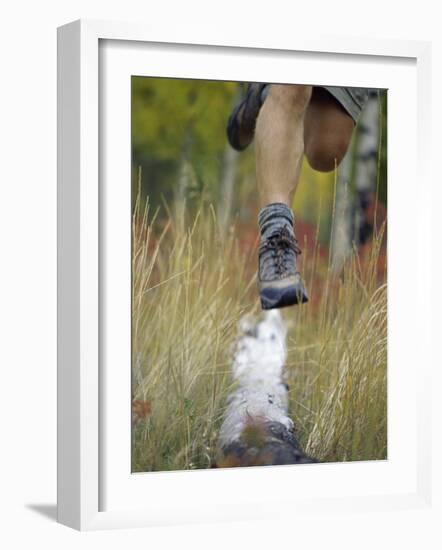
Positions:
{"x": 257, "y": 430}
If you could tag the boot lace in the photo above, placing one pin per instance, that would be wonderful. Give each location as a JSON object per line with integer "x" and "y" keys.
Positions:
{"x": 281, "y": 245}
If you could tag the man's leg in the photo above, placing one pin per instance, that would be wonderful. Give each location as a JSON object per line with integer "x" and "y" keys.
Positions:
{"x": 279, "y": 138}
{"x": 327, "y": 131}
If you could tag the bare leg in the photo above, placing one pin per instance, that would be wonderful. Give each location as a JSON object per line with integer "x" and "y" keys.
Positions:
{"x": 327, "y": 131}
{"x": 279, "y": 138}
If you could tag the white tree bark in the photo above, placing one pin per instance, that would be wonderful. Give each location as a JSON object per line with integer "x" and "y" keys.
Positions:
{"x": 257, "y": 429}
{"x": 228, "y": 177}
{"x": 183, "y": 182}
{"x": 341, "y": 239}
{"x": 356, "y": 182}
{"x": 227, "y": 184}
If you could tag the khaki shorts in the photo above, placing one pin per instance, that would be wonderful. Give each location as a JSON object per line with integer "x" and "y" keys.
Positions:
{"x": 352, "y": 99}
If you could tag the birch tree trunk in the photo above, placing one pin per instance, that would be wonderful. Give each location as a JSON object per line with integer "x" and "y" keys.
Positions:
{"x": 228, "y": 177}
{"x": 341, "y": 240}
{"x": 357, "y": 177}
{"x": 227, "y": 184}
{"x": 183, "y": 182}
{"x": 367, "y": 166}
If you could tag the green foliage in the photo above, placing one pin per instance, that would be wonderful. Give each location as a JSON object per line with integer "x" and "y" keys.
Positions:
{"x": 165, "y": 110}
{"x": 175, "y": 120}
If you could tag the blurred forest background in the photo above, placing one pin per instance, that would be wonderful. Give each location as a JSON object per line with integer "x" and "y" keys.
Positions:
{"x": 195, "y": 240}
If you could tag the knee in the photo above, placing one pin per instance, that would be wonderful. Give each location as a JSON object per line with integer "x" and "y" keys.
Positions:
{"x": 291, "y": 97}
{"x": 324, "y": 155}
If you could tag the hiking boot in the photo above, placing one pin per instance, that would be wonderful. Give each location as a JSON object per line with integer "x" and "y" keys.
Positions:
{"x": 241, "y": 124}
{"x": 279, "y": 282}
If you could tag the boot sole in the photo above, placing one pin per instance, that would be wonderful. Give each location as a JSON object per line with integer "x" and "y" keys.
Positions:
{"x": 253, "y": 103}
{"x": 280, "y": 295}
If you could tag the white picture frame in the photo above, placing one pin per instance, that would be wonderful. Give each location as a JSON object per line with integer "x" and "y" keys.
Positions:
{"x": 83, "y": 416}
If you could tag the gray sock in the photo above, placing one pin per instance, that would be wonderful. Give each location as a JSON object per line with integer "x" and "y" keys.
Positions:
{"x": 273, "y": 217}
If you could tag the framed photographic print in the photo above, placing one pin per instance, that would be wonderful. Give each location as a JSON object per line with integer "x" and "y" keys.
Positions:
{"x": 229, "y": 324}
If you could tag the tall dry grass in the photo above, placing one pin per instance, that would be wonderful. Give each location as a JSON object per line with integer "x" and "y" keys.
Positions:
{"x": 190, "y": 288}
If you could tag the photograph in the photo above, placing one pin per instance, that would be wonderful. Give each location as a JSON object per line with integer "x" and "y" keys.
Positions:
{"x": 259, "y": 274}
